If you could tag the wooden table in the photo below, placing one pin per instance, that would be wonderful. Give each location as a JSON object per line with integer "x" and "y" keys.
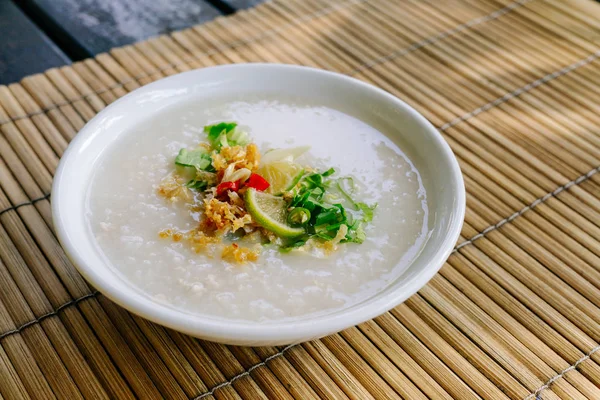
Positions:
{"x": 514, "y": 314}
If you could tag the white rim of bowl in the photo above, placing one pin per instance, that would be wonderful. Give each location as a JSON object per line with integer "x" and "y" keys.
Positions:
{"x": 248, "y": 331}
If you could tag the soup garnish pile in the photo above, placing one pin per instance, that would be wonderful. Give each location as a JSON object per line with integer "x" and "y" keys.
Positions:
{"x": 252, "y": 201}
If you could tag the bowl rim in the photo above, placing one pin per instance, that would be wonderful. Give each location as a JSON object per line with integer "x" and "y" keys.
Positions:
{"x": 237, "y": 331}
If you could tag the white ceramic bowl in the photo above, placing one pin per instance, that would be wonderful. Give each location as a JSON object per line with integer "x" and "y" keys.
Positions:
{"x": 415, "y": 135}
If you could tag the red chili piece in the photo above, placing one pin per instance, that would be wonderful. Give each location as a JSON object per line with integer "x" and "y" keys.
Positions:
{"x": 225, "y": 186}
{"x": 257, "y": 182}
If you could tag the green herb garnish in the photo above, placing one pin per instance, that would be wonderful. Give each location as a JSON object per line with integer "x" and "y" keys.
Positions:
{"x": 200, "y": 160}
{"x": 346, "y": 187}
{"x": 226, "y": 134}
{"x": 314, "y": 194}
{"x": 197, "y": 158}
{"x": 219, "y": 135}
{"x": 315, "y": 204}
{"x": 197, "y": 184}
{"x": 294, "y": 245}
{"x": 367, "y": 211}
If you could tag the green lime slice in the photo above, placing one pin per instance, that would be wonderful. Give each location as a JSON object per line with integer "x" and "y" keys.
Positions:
{"x": 270, "y": 212}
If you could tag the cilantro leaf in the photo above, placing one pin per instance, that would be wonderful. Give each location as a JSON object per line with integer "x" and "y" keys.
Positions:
{"x": 226, "y": 134}
{"x": 237, "y": 137}
{"x": 197, "y": 158}
{"x": 214, "y": 131}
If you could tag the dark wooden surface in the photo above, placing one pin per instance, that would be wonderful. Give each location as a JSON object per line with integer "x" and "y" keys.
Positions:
{"x": 95, "y": 26}
{"x": 24, "y": 49}
{"x": 41, "y": 34}
{"x": 241, "y": 4}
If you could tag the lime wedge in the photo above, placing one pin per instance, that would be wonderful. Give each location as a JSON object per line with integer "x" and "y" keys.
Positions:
{"x": 270, "y": 212}
{"x": 280, "y": 174}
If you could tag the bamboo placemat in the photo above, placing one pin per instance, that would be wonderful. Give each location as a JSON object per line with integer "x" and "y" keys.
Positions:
{"x": 514, "y": 313}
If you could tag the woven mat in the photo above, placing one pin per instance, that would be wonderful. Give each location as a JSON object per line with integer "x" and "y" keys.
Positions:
{"x": 514, "y": 313}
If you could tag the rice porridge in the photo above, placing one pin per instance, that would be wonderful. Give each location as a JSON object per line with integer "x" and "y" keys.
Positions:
{"x": 126, "y": 214}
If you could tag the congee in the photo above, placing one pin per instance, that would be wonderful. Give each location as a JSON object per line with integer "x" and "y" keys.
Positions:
{"x": 257, "y": 209}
